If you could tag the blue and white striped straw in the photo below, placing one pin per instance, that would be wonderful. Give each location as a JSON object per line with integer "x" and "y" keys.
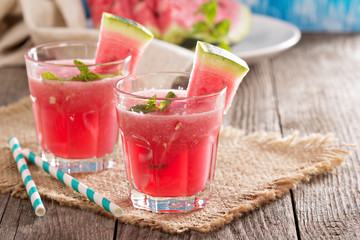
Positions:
{"x": 26, "y": 177}
{"x": 74, "y": 184}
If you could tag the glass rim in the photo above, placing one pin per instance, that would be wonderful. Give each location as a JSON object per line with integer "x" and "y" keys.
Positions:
{"x": 64, "y": 44}
{"x": 128, "y": 78}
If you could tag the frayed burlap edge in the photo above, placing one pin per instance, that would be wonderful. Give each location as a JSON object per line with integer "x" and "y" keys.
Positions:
{"x": 332, "y": 156}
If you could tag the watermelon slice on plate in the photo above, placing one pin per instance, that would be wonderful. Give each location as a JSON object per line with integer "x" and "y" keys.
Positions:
{"x": 120, "y": 37}
{"x": 172, "y": 20}
{"x": 214, "y": 66}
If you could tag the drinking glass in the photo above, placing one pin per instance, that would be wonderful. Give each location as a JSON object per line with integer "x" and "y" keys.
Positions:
{"x": 169, "y": 153}
{"x": 75, "y": 120}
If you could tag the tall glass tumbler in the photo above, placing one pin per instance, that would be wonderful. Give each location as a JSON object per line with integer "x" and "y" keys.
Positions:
{"x": 75, "y": 117}
{"x": 169, "y": 153}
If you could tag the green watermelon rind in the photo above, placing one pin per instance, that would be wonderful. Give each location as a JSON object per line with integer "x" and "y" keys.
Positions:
{"x": 127, "y": 27}
{"x": 221, "y": 59}
{"x": 175, "y": 34}
{"x": 242, "y": 28}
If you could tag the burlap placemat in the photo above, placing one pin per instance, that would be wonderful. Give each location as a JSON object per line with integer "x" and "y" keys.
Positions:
{"x": 251, "y": 170}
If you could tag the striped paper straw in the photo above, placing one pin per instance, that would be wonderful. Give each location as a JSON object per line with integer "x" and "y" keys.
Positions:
{"x": 74, "y": 184}
{"x": 26, "y": 177}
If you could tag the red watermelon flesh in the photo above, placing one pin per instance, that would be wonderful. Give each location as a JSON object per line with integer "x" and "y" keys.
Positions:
{"x": 120, "y": 37}
{"x": 214, "y": 66}
{"x": 161, "y": 16}
{"x": 97, "y": 7}
{"x": 154, "y": 13}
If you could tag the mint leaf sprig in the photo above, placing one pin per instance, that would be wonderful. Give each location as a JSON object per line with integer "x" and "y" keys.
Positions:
{"x": 152, "y": 106}
{"x": 208, "y": 30}
{"x": 85, "y": 74}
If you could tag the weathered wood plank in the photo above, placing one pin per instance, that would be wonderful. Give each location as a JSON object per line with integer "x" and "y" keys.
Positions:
{"x": 18, "y": 221}
{"x": 318, "y": 91}
{"x": 10, "y": 218}
{"x": 62, "y": 222}
{"x": 4, "y": 198}
{"x": 267, "y": 222}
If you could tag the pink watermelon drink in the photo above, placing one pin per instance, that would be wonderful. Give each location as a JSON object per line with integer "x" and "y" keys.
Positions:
{"x": 69, "y": 126}
{"x": 169, "y": 153}
{"x": 73, "y": 107}
{"x": 170, "y": 134}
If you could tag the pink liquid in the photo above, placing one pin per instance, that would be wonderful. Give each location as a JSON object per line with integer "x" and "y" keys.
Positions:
{"x": 74, "y": 119}
{"x": 170, "y": 154}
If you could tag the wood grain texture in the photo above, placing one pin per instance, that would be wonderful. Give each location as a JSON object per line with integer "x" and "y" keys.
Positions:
{"x": 318, "y": 90}
{"x": 4, "y": 198}
{"x": 61, "y": 222}
{"x": 19, "y": 222}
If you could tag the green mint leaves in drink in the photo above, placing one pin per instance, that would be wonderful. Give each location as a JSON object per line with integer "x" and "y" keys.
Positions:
{"x": 209, "y": 31}
{"x": 152, "y": 106}
{"x": 85, "y": 74}
{"x": 167, "y": 102}
{"x": 51, "y": 76}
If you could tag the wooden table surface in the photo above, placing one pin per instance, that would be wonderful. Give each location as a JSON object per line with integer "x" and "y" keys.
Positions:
{"x": 313, "y": 87}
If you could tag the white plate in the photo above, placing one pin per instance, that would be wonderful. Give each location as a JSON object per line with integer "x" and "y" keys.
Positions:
{"x": 267, "y": 37}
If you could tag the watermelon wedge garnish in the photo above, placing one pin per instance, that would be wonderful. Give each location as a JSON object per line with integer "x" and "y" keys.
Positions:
{"x": 214, "y": 66}
{"x": 120, "y": 37}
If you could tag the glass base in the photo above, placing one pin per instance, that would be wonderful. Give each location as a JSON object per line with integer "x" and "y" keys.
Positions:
{"x": 81, "y": 165}
{"x": 169, "y": 204}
